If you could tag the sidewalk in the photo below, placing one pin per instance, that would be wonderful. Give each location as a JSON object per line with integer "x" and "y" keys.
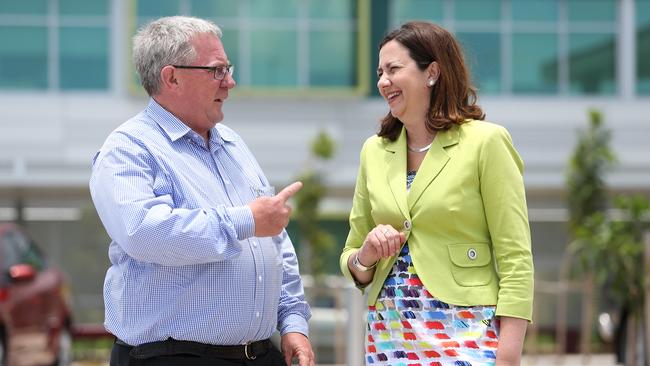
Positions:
{"x": 569, "y": 360}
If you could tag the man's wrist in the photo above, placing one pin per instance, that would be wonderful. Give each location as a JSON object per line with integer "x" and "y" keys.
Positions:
{"x": 243, "y": 221}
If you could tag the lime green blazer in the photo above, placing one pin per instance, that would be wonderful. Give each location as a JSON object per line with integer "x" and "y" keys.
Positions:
{"x": 465, "y": 216}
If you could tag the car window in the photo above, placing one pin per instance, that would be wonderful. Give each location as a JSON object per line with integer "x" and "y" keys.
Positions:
{"x": 19, "y": 249}
{"x": 10, "y": 250}
{"x": 32, "y": 255}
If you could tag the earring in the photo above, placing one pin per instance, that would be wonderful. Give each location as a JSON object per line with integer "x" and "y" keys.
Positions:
{"x": 431, "y": 82}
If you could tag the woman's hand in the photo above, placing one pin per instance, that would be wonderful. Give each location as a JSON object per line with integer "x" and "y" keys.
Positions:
{"x": 381, "y": 242}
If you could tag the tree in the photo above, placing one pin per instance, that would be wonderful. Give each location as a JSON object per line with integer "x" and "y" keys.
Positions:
{"x": 586, "y": 185}
{"x": 609, "y": 250}
{"x": 316, "y": 243}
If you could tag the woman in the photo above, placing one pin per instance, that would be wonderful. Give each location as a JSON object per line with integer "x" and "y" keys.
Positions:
{"x": 439, "y": 227}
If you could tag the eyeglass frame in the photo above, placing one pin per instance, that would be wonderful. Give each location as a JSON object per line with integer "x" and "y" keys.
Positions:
{"x": 229, "y": 69}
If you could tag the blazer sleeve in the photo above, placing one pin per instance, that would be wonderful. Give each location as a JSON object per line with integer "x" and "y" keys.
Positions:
{"x": 361, "y": 221}
{"x": 504, "y": 200}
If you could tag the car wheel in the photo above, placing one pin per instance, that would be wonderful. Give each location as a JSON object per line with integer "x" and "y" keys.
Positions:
{"x": 64, "y": 357}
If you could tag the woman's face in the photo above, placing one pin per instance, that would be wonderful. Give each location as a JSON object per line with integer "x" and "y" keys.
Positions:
{"x": 402, "y": 84}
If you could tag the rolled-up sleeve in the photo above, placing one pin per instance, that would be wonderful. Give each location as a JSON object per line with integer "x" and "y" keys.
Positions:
{"x": 504, "y": 199}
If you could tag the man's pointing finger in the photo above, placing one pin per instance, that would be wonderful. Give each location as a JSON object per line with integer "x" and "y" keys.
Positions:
{"x": 289, "y": 191}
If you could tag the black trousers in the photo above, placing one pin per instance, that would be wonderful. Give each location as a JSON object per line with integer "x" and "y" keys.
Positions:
{"x": 120, "y": 357}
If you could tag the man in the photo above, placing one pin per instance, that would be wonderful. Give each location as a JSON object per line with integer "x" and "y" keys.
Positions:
{"x": 202, "y": 269}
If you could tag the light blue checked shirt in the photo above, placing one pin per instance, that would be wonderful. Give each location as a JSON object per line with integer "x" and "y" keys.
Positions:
{"x": 184, "y": 261}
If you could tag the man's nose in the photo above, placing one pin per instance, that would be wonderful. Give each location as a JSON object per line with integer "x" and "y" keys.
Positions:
{"x": 228, "y": 82}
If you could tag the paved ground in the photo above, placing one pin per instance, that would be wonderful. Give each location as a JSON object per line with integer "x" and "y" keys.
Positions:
{"x": 570, "y": 360}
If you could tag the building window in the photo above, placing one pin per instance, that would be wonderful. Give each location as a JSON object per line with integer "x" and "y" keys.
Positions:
{"x": 54, "y": 44}
{"x": 282, "y": 44}
{"x": 643, "y": 46}
{"x": 529, "y": 46}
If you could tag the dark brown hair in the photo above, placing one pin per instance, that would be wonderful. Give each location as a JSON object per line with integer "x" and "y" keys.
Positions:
{"x": 453, "y": 97}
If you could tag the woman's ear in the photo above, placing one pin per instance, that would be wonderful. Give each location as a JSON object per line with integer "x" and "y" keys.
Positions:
{"x": 433, "y": 70}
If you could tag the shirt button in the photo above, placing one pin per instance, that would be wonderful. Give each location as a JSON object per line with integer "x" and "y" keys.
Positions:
{"x": 260, "y": 278}
{"x": 407, "y": 225}
{"x": 257, "y": 314}
{"x": 471, "y": 254}
{"x": 226, "y": 181}
{"x": 254, "y": 243}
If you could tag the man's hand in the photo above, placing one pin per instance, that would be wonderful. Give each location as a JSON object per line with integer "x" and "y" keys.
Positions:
{"x": 271, "y": 214}
{"x": 296, "y": 345}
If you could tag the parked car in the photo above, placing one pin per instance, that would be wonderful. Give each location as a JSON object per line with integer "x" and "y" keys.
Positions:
{"x": 35, "y": 317}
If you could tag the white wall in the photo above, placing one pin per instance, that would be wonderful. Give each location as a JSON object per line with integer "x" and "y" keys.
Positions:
{"x": 50, "y": 139}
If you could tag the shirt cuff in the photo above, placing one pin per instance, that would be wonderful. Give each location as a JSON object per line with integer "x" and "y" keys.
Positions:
{"x": 294, "y": 323}
{"x": 242, "y": 220}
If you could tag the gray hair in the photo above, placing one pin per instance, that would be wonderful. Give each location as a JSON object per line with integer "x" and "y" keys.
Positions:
{"x": 166, "y": 41}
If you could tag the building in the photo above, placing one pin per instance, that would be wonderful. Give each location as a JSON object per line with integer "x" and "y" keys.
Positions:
{"x": 303, "y": 66}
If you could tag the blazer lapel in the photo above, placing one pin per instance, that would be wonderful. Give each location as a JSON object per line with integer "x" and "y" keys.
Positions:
{"x": 433, "y": 163}
{"x": 397, "y": 171}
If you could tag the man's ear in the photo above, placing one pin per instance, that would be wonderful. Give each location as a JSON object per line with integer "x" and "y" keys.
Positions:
{"x": 434, "y": 70}
{"x": 168, "y": 77}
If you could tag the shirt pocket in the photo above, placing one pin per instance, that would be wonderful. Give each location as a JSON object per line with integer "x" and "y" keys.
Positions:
{"x": 262, "y": 190}
{"x": 471, "y": 263}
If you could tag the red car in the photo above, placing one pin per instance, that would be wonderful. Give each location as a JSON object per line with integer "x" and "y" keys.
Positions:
{"x": 35, "y": 318}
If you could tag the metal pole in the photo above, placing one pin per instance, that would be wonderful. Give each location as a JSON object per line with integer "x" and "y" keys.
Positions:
{"x": 646, "y": 296}
{"x": 356, "y": 330}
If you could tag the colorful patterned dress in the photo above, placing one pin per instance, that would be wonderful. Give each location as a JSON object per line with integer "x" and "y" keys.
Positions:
{"x": 409, "y": 327}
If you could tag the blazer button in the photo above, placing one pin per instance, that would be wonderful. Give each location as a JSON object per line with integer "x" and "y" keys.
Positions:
{"x": 471, "y": 254}
{"x": 407, "y": 225}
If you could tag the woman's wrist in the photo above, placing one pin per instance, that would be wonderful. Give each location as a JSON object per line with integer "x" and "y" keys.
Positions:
{"x": 361, "y": 265}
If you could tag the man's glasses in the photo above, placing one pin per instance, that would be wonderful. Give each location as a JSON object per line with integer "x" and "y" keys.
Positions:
{"x": 219, "y": 71}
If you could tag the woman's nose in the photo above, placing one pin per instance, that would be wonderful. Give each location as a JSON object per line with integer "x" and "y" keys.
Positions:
{"x": 383, "y": 81}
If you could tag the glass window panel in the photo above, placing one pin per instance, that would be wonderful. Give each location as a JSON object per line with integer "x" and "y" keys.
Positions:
{"x": 333, "y": 9}
{"x": 33, "y": 7}
{"x": 338, "y": 68}
{"x": 83, "y": 58}
{"x": 592, "y": 10}
{"x": 83, "y": 7}
{"x": 273, "y": 9}
{"x": 534, "y": 63}
{"x": 592, "y": 64}
{"x": 642, "y": 12}
{"x": 405, "y": 10}
{"x": 215, "y": 8}
{"x": 483, "y": 57}
{"x": 23, "y": 57}
{"x": 535, "y": 10}
{"x": 230, "y": 40}
{"x": 274, "y": 58}
{"x": 477, "y": 9}
{"x": 157, "y": 8}
{"x": 643, "y": 46}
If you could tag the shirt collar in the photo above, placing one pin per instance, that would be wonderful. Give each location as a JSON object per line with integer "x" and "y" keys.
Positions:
{"x": 175, "y": 128}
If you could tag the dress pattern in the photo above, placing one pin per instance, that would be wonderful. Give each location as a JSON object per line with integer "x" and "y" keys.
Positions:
{"x": 407, "y": 326}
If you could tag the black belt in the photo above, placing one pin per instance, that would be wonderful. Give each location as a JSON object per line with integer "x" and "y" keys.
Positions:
{"x": 169, "y": 347}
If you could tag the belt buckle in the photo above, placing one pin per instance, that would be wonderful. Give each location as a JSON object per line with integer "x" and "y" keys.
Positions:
{"x": 248, "y": 357}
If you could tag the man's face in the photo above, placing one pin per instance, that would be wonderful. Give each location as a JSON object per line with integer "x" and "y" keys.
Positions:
{"x": 201, "y": 96}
